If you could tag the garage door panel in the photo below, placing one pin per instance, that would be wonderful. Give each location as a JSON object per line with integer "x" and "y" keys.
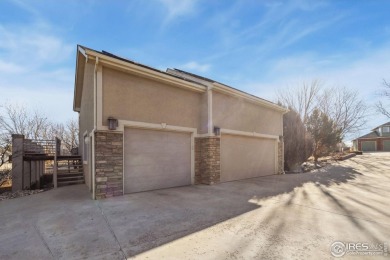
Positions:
{"x": 368, "y": 146}
{"x": 156, "y": 159}
{"x": 150, "y": 158}
{"x": 386, "y": 145}
{"x": 144, "y": 178}
{"x": 160, "y": 145}
{"x": 246, "y": 157}
{"x": 159, "y": 139}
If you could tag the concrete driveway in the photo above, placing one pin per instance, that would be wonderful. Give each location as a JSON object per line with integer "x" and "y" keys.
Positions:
{"x": 295, "y": 216}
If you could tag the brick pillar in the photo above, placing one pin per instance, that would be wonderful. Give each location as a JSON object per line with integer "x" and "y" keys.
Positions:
{"x": 108, "y": 164}
{"x": 207, "y": 160}
{"x": 281, "y": 155}
{"x": 17, "y": 162}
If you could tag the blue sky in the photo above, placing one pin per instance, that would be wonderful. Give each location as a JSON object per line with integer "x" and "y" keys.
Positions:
{"x": 257, "y": 46}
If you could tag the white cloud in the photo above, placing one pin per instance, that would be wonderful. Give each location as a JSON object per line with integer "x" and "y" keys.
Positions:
{"x": 32, "y": 45}
{"x": 193, "y": 65}
{"x": 177, "y": 9}
{"x": 8, "y": 67}
{"x": 26, "y": 6}
{"x": 48, "y": 91}
{"x": 34, "y": 69}
{"x": 363, "y": 74}
{"x": 278, "y": 28}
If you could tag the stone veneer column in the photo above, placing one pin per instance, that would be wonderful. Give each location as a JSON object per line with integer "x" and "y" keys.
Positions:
{"x": 108, "y": 164}
{"x": 281, "y": 155}
{"x": 207, "y": 160}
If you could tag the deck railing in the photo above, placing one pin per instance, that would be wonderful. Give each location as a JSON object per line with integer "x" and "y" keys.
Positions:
{"x": 37, "y": 147}
{"x": 32, "y": 159}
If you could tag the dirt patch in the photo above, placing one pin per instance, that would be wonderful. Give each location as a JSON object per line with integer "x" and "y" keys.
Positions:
{"x": 323, "y": 162}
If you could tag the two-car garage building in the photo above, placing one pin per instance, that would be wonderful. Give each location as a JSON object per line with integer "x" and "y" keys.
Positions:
{"x": 144, "y": 129}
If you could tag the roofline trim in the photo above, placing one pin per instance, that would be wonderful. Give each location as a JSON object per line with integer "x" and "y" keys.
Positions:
{"x": 82, "y": 51}
{"x": 168, "y": 78}
{"x": 79, "y": 50}
{"x": 385, "y": 124}
{"x": 378, "y": 137}
{"x": 232, "y": 91}
{"x": 148, "y": 73}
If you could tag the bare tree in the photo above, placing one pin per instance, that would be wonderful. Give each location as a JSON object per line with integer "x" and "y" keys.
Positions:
{"x": 381, "y": 107}
{"x": 68, "y": 133}
{"x": 72, "y": 134}
{"x": 5, "y": 148}
{"x": 324, "y": 132}
{"x": 344, "y": 108}
{"x": 16, "y": 119}
{"x": 303, "y": 99}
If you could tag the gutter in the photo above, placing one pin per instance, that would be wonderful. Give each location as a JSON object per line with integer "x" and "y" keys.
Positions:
{"x": 93, "y": 167}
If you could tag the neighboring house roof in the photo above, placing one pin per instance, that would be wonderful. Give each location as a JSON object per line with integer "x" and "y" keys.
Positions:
{"x": 374, "y": 133}
{"x": 145, "y": 70}
{"x": 385, "y": 124}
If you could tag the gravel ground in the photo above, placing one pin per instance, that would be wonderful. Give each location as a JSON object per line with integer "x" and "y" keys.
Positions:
{"x": 17, "y": 194}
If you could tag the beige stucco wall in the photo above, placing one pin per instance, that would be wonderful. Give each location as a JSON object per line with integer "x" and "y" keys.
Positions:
{"x": 86, "y": 110}
{"x": 236, "y": 113}
{"x": 130, "y": 97}
{"x": 86, "y": 122}
{"x": 203, "y": 123}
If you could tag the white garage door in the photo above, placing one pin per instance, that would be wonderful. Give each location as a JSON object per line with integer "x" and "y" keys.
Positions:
{"x": 246, "y": 157}
{"x": 156, "y": 159}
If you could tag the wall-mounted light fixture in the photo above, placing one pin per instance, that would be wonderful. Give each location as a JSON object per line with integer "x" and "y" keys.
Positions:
{"x": 112, "y": 123}
{"x": 217, "y": 130}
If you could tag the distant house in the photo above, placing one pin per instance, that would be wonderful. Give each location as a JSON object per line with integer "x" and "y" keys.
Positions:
{"x": 377, "y": 140}
{"x": 145, "y": 129}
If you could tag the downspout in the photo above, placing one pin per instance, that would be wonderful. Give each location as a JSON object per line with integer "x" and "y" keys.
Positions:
{"x": 210, "y": 125}
{"x": 93, "y": 172}
{"x": 94, "y": 128}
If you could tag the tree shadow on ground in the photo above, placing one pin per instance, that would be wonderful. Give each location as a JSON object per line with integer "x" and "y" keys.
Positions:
{"x": 147, "y": 220}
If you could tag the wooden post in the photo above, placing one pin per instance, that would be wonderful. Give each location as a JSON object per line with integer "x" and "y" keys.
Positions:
{"x": 56, "y": 152}
{"x": 17, "y": 162}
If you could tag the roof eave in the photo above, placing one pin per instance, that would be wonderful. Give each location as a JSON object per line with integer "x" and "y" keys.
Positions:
{"x": 252, "y": 98}
{"x": 77, "y": 86}
{"x": 145, "y": 72}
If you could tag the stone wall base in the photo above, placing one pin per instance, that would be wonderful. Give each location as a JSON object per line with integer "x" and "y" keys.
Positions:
{"x": 207, "y": 160}
{"x": 108, "y": 164}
